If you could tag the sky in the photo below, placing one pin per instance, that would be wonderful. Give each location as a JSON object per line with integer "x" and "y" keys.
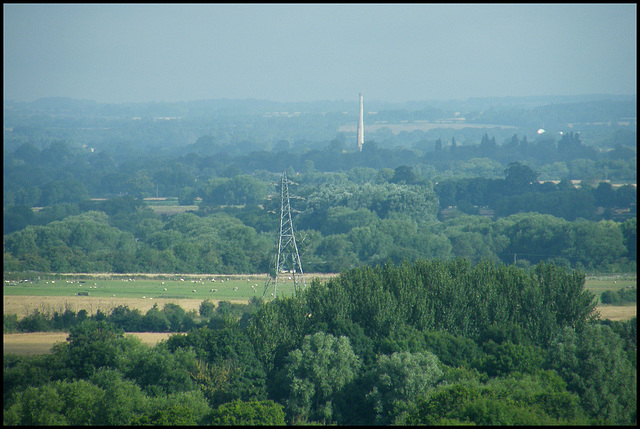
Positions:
{"x": 119, "y": 53}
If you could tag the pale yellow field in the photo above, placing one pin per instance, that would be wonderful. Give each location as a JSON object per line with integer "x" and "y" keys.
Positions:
{"x": 35, "y": 343}
{"x": 23, "y": 305}
{"x": 613, "y": 312}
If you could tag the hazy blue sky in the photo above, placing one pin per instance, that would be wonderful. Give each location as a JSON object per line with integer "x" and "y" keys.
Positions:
{"x": 282, "y": 52}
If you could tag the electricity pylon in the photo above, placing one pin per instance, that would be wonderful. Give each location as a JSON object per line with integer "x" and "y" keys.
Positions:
{"x": 287, "y": 261}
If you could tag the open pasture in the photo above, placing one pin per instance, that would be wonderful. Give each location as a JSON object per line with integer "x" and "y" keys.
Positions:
{"x": 136, "y": 291}
{"x": 599, "y": 284}
{"x": 178, "y": 287}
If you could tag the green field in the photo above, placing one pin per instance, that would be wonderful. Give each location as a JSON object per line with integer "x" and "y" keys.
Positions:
{"x": 219, "y": 287}
{"x": 599, "y": 284}
{"x": 170, "y": 287}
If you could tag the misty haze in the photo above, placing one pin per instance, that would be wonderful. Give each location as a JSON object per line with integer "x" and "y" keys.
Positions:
{"x": 274, "y": 214}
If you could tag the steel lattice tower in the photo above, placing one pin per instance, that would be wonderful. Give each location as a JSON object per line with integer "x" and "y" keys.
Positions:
{"x": 287, "y": 259}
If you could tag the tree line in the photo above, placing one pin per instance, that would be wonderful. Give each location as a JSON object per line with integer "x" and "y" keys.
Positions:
{"x": 60, "y": 172}
{"x": 428, "y": 342}
{"x": 340, "y": 228}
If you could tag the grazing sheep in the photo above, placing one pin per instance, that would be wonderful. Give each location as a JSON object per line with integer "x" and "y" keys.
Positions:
{"x": 165, "y": 289}
{"x": 194, "y": 291}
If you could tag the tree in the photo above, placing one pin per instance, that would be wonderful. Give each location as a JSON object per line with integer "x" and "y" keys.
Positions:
{"x": 159, "y": 370}
{"x": 404, "y": 174}
{"x": 207, "y": 308}
{"x": 16, "y": 217}
{"x": 252, "y": 413}
{"x": 605, "y": 195}
{"x": 126, "y": 402}
{"x": 229, "y": 369}
{"x": 315, "y": 373}
{"x": 630, "y": 236}
{"x": 593, "y": 363}
{"x": 97, "y": 344}
{"x": 519, "y": 177}
{"x": 398, "y": 380}
{"x": 539, "y": 398}
{"x": 155, "y": 320}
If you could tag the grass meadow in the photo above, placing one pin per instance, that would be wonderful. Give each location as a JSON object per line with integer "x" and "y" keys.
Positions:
{"x": 105, "y": 292}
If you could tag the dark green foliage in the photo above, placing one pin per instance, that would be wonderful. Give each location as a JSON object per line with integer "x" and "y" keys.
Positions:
{"x": 155, "y": 320}
{"x": 16, "y": 217}
{"x": 228, "y": 351}
{"x": 9, "y": 323}
{"x": 398, "y": 380}
{"x": 34, "y": 322}
{"x": 507, "y": 357}
{"x": 315, "y": 374}
{"x": 593, "y": 362}
{"x": 175, "y": 315}
{"x": 159, "y": 370}
{"x": 20, "y": 372}
{"x": 126, "y": 319}
{"x": 539, "y": 398}
{"x": 451, "y": 350}
{"x": 207, "y": 308}
{"x": 252, "y": 413}
{"x": 96, "y": 344}
{"x": 628, "y": 332}
{"x": 619, "y": 297}
{"x": 455, "y": 297}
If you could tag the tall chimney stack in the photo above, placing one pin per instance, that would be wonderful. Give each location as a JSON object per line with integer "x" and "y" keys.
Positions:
{"x": 361, "y": 126}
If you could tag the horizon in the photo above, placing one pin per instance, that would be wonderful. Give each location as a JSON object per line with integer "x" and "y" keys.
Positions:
{"x": 504, "y": 97}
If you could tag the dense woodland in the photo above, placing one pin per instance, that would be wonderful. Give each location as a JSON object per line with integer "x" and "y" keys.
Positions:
{"x": 462, "y": 255}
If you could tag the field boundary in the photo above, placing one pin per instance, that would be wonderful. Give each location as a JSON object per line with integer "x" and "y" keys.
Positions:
{"x": 152, "y": 276}
{"x": 37, "y": 343}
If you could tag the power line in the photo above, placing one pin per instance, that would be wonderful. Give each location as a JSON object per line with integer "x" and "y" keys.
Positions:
{"x": 287, "y": 258}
